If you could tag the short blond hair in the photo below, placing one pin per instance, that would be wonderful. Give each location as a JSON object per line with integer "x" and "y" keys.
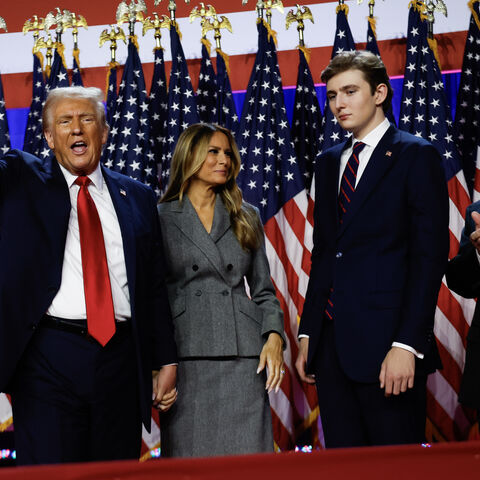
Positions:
{"x": 93, "y": 94}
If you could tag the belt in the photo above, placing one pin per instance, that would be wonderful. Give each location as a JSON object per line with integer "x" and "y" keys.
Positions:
{"x": 74, "y": 326}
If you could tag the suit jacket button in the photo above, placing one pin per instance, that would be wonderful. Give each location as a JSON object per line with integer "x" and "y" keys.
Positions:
{"x": 195, "y": 268}
{"x": 198, "y": 293}
{"x": 339, "y": 255}
{"x": 33, "y": 326}
{"x": 225, "y": 293}
{"x": 229, "y": 267}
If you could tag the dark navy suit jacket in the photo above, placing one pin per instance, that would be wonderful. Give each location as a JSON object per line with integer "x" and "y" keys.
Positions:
{"x": 385, "y": 261}
{"x": 34, "y": 213}
{"x": 463, "y": 277}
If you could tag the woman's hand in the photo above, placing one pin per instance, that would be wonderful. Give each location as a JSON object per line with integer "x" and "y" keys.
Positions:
{"x": 272, "y": 357}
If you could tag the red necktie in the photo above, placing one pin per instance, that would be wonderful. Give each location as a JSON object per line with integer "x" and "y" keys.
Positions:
{"x": 96, "y": 280}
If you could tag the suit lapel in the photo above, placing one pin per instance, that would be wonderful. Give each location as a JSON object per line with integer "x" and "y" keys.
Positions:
{"x": 221, "y": 220}
{"x": 382, "y": 159}
{"x": 54, "y": 202}
{"x": 190, "y": 224}
{"x": 326, "y": 189}
{"x": 121, "y": 201}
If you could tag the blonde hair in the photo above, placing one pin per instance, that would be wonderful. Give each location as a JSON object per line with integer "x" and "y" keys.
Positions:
{"x": 187, "y": 160}
{"x": 92, "y": 94}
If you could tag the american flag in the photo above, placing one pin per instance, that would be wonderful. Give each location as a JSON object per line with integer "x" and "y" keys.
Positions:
{"x": 467, "y": 117}
{"x": 207, "y": 87}
{"x": 58, "y": 78}
{"x": 158, "y": 105}
{"x": 307, "y": 120}
{"x": 5, "y": 412}
{"x": 271, "y": 179}
{"x": 372, "y": 47}
{"x": 332, "y": 133}
{"x": 182, "y": 107}
{"x": 33, "y": 132}
{"x": 128, "y": 149}
{"x": 58, "y": 74}
{"x": 76, "y": 73}
{"x": 425, "y": 113}
{"x": 4, "y": 135}
{"x": 111, "y": 100}
{"x": 226, "y": 110}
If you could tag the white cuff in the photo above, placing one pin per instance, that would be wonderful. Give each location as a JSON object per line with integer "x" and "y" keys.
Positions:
{"x": 408, "y": 348}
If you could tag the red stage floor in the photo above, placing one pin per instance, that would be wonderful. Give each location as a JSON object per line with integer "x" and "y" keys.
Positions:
{"x": 441, "y": 461}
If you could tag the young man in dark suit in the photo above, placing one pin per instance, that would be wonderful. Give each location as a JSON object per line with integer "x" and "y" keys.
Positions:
{"x": 84, "y": 313}
{"x": 380, "y": 250}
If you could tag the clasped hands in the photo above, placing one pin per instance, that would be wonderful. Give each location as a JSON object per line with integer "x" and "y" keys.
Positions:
{"x": 164, "y": 391}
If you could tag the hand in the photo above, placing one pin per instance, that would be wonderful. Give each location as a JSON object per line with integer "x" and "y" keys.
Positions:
{"x": 272, "y": 357}
{"x": 397, "y": 371}
{"x": 164, "y": 391}
{"x": 302, "y": 361}
{"x": 475, "y": 235}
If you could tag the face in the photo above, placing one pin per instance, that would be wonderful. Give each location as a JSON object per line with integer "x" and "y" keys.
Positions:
{"x": 217, "y": 164}
{"x": 76, "y": 135}
{"x": 351, "y": 101}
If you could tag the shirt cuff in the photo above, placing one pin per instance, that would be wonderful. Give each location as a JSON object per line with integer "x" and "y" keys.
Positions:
{"x": 302, "y": 335}
{"x": 409, "y": 349}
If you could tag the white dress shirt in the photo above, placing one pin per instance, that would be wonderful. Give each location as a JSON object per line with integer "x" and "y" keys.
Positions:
{"x": 69, "y": 302}
{"x": 371, "y": 141}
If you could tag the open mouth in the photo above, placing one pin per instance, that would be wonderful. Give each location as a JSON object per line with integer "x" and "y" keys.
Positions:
{"x": 79, "y": 148}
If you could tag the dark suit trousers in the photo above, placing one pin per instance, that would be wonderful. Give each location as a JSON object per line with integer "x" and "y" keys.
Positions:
{"x": 358, "y": 414}
{"x": 74, "y": 400}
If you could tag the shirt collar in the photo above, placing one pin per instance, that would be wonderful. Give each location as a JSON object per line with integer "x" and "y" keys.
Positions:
{"x": 373, "y": 137}
{"x": 96, "y": 177}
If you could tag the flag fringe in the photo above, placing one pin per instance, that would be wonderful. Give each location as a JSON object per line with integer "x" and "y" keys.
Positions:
{"x": 309, "y": 421}
{"x": 7, "y": 423}
{"x": 432, "y": 42}
{"x": 76, "y": 56}
{"x": 40, "y": 57}
{"x": 177, "y": 28}
{"x": 432, "y": 433}
{"x": 208, "y": 44}
{"x": 342, "y": 7}
{"x": 61, "y": 51}
{"x": 271, "y": 33}
{"x": 474, "y": 13}
{"x": 110, "y": 67}
{"x": 134, "y": 40}
{"x": 420, "y": 7}
{"x": 373, "y": 25}
{"x": 147, "y": 456}
{"x": 306, "y": 51}
{"x": 225, "y": 57}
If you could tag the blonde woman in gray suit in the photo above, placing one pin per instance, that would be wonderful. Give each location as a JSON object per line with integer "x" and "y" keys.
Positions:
{"x": 230, "y": 342}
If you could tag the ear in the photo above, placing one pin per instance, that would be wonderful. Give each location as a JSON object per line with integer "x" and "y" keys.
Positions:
{"x": 49, "y": 138}
{"x": 105, "y": 135}
{"x": 381, "y": 93}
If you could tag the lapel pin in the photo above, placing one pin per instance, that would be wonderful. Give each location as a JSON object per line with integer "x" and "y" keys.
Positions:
{"x": 388, "y": 153}
{"x": 123, "y": 192}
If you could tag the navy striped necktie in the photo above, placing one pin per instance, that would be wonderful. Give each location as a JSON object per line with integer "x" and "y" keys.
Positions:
{"x": 347, "y": 189}
{"x": 349, "y": 179}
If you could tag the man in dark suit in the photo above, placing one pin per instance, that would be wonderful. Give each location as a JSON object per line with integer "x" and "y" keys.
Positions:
{"x": 463, "y": 277}
{"x": 84, "y": 314}
{"x": 380, "y": 250}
